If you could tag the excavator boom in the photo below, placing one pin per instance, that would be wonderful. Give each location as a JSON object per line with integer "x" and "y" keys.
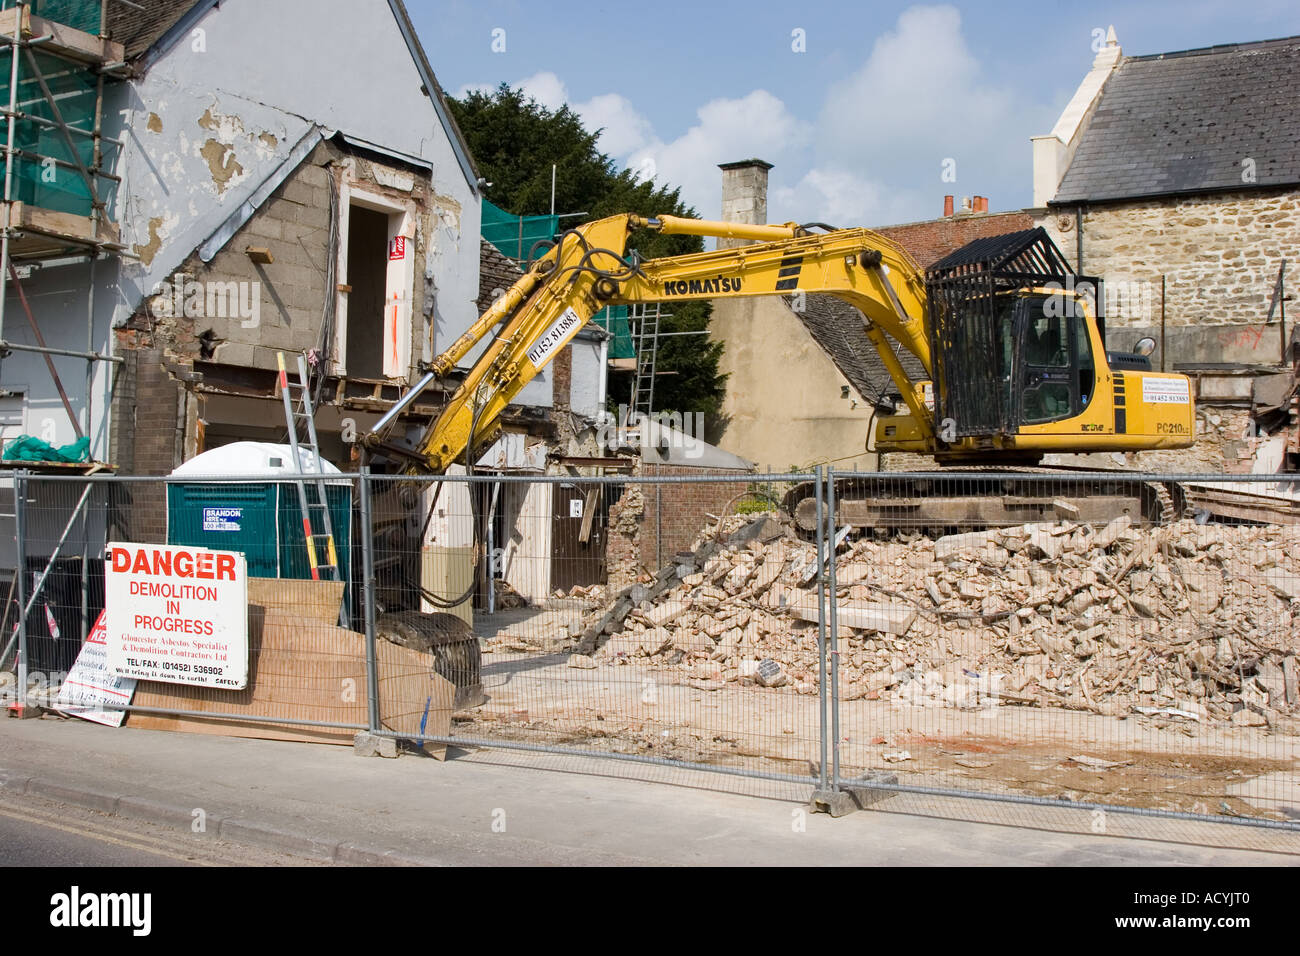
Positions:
{"x": 1013, "y": 356}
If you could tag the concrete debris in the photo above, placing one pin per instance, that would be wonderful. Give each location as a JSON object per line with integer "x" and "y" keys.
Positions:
{"x": 1097, "y": 763}
{"x": 1184, "y": 622}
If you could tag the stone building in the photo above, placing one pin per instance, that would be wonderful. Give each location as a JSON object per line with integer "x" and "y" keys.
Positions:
{"x": 1175, "y": 177}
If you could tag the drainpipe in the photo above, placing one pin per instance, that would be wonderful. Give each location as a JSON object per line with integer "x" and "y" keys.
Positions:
{"x": 1078, "y": 239}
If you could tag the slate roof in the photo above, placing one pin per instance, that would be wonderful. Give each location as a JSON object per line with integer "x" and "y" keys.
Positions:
{"x": 139, "y": 28}
{"x": 837, "y": 327}
{"x": 495, "y": 271}
{"x": 1177, "y": 123}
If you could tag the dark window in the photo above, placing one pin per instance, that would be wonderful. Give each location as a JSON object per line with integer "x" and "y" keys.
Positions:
{"x": 1058, "y": 370}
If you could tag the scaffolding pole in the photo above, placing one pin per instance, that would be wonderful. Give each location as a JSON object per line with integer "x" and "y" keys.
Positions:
{"x": 9, "y": 174}
{"x": 92, "y": 175}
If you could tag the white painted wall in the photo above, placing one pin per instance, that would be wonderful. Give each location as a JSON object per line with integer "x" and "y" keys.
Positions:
{"x": 59, "y": 302}
{"x": 277, "y": 69}
{"x": 590, "y": 370}
{"x": 526, "y": 554}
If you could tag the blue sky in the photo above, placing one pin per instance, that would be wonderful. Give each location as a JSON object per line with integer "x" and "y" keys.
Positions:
{"x": 859, "y": 124}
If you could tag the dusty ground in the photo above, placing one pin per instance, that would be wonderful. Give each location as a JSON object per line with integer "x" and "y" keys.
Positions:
{"x": 1164, "y": 763}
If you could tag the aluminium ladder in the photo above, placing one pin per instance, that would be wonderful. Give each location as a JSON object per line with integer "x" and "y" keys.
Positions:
{"x": 647, "y": 346}
{"x": 302, "y": 412}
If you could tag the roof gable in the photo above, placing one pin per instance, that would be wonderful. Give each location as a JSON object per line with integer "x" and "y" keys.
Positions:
{"x": 148, "y": 32}
{"x": 1222, "y": 118}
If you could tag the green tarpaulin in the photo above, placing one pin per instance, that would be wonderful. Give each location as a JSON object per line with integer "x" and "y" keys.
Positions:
{"x": 514, "y": 235}
{"x": 614, "y": 321}
{"x": 27, "y": 448}
{"x": 48, "y": 162}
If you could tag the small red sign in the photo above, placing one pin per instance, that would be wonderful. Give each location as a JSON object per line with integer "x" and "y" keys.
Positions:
{"x": 397, "y": 247}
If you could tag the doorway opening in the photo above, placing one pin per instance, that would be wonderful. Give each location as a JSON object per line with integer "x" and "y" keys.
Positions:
{"x": 367, "y": 276}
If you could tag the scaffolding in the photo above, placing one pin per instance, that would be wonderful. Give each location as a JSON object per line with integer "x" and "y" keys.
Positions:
{"x": 58, "y": 189}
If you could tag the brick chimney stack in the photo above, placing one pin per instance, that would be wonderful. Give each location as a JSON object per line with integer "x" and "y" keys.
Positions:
{"x": 744, "y": 196}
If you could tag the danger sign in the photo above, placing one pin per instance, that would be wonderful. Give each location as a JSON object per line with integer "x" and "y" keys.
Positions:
{"x": 177, "y": 614}
{"x": 90, "y": 690}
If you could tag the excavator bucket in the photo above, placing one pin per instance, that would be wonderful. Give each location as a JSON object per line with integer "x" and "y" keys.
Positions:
{"x": 453, "y": 643}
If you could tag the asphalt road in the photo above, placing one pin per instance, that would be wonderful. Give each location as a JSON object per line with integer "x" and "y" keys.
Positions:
{"x": 39, "y": 832}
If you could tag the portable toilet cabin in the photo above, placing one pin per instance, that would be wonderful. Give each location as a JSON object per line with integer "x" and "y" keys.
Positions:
{"x": 262, "y": 516}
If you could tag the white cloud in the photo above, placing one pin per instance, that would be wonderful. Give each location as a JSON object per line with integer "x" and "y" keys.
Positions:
{"x": 757, "y": 124}
{"x": 875, "y": 151}
{"x": 623, "y": 129}
{"x": 837, "y": 197}
{"x": 920, "y": 99}
{"x": 546, "y": 88}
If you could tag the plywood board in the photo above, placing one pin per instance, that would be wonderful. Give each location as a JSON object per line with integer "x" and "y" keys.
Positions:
{"x": 304, "y": 669}
{"x": 317, "y": 601}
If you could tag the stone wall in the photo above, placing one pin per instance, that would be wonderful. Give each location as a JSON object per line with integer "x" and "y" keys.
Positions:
{"x": 1219, "y": 255}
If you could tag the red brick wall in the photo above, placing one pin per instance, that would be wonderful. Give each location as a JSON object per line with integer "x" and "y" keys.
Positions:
{"x": 930, "y": 241}
{"x": 146, "y": 404}
{"x": 675, "y": 514}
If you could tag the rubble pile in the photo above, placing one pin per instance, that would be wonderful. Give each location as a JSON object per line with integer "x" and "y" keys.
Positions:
{"x": 1183, "y": 622}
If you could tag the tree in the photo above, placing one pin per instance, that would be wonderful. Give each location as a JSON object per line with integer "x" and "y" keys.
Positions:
{"x": 515, "y": 141}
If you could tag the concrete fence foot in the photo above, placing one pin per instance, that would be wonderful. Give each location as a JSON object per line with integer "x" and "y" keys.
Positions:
{"x": 838, "y": 803}
{"x": 372, "y": 745}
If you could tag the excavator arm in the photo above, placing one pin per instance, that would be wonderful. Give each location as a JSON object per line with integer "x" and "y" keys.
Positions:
{"x": 588, "y": 269}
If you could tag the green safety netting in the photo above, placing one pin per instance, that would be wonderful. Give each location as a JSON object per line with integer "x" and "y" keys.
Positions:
{"x": 81, "y": 15}
{"x": 614, "y": 320}
{"x": 46, "y": 159}
{"x": 514, "y": 235}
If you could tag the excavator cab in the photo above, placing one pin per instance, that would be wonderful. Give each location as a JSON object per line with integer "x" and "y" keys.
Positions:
{"x": 1020, "y": 366}
{"x": 1014, "y": 299}
{"x": 1055, "y": 375}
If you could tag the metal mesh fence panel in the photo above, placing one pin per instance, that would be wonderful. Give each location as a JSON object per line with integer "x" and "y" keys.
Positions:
{"x": 1108, "y": 653}
{"x": 633, "y": 617}
{"x": 306, "y": 670}
{"x": 1056, "y": 647}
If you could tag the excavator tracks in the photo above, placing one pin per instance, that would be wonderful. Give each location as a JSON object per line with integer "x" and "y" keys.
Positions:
{"x": 968, "y": 499}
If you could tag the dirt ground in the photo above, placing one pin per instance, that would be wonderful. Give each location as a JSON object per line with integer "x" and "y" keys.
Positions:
{"x": 1154, "y": 762}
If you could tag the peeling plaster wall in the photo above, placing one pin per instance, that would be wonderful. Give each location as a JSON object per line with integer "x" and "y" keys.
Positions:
{"x": 185, "y": 172}
{"x": 207, "y": 124}
{"x": 221, "y": 110}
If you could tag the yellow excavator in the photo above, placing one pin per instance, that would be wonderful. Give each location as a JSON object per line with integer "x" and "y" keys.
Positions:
{"x": 1009, "y": 338}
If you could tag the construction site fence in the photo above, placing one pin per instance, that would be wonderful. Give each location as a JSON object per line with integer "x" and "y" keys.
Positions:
{"x": 1112, "y": 644}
